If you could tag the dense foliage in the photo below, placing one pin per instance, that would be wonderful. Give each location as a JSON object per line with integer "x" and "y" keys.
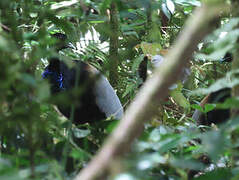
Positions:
{"x": 36, "y": 141}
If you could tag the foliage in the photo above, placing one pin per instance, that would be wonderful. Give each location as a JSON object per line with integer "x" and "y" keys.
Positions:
{"x": 37, "y": 142}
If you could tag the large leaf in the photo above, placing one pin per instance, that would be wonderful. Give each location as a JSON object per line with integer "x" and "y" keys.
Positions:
{"x": 180, "y": 99}
{"x": 168, "y": 8}
{"x": 228, "y": 81}
{"x": 150, "y": 48}
{"x": 188, "y": 2}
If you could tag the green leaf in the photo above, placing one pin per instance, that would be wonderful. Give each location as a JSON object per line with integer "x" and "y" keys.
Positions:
{"x": 198, "y": 107}
{"x": 28, "y": 79}
{"x": 81, "y": 133}
{"x": 150, "y": 48}
{"x": 136, "y": 63}
{"x": 229, "y": 103}
{"x": 228, "y": 81}
{"x": 43, "y": 91}
{"x": 63, "y": 4}
{"x": 188, "y": 3}
{"x": 166, "y": 10}
{"x": 219, "y": 174}
{"x": 209, "y": 107}
{"x": 130, "y": 87}
{"x": 180, "y": 99}
{"x": 111, "y": 126}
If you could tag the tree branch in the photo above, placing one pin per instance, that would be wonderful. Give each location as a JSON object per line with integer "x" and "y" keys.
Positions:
{"x": 114, "y": 45}
{"x": 156, "y": 88}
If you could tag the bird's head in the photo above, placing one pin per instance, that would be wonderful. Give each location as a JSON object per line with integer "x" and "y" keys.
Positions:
{"x": 157, "y": 60}
{"x": 54, "y": 75}
{"x": 62, "y": 41}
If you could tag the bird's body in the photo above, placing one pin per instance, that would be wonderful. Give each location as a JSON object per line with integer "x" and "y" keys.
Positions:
{"x": 215, "y": 116}
{"x": 84, "y": 87}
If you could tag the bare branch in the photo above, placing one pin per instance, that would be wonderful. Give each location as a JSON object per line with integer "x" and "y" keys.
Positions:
{"x": 114, "y": 45}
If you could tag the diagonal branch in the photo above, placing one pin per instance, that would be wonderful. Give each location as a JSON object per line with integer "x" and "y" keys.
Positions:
{"x": 143, "y": 107}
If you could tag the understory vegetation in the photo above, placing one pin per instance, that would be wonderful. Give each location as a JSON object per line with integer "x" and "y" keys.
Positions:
{"x": 38, "y": 142}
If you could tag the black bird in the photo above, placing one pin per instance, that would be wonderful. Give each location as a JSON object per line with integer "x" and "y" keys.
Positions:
{"x": 215, "y": 116}
{"x": 142, "y": 71}
{"x": 95, "y": 98}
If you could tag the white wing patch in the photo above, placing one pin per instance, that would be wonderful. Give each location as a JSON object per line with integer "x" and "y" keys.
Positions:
{"x": 106, "y": 98}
